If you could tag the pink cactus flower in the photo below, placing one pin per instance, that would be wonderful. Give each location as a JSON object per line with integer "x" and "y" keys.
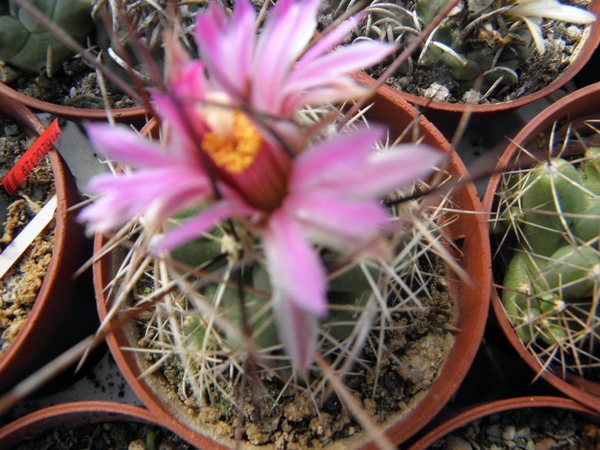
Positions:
{"x": 276, "y": 73}
{"x": 225, "y": 161}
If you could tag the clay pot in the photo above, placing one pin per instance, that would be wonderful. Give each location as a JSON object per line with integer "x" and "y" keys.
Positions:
{"x": 577, "y": 106}
{"x": 461, "y": 418}
{"x": 58, "y": 319}
{"x": 443, "y": 113}
{"x": 472, "y": 301}
{"x": 75, "y": 414}
{"x": 135, "y": 116}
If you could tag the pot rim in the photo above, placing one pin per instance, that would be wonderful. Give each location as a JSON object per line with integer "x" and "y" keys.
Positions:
{"x": 463, "y": 416}
{"x": 134, "y": 115}
{"x": 51, "y": 299}
{"x": 462, "y": 353}
{"x": 580, "y": 104}
{"x": 100, "y": 411}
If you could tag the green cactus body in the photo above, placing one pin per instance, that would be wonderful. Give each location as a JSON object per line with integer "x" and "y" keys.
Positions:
{"x": 428, "y": 9}
{"x": 551, "y": 214}
{"x": 525, "y": 324}
{"x": 348, "y": 294}
{"x": 573, "y": 271}
{"x": 26, "y": 44}
{"x": 475, "y": 53}
{"x": 590, "y": 170}
{"x": 552, "y": 334}
{"x": 262, "y": 327}
{"x": 194, "y": 332}
{"x": 506, "y": 204}
{"x": 587, "y": 227}
{"x": 522, "y": 281}
{"x": 499, "y": 225}
{"x": 549, "y": 193}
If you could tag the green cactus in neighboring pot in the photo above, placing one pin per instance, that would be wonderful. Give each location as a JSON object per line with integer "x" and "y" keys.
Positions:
{"x": 146, "y": 21}
{"x": 549, "y": 218}
{"x": 486, "y": 49}
{"x": 28, "y": 45}
{"x": 483, "y": 43}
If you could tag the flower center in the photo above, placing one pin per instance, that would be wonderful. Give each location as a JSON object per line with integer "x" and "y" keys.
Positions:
{"x": 234, "y": 152}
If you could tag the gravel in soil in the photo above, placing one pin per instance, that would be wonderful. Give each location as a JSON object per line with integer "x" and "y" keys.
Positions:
{"x": 76, "y": 85}
{"x": 105, "y": 436}
{"x": 526, "y": 428}
{"x": 20, "y": 285}
{"x": 416, "y": 348}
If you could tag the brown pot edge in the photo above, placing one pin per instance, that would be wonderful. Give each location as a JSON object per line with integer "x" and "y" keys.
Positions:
{"x": 15, "y": 431}
{"x": 54, "y": 293}
{"x": 457, "y": 367}
{"x": 466, "y": 415}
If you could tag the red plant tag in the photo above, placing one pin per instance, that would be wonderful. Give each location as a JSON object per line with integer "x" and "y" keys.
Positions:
{"x": 32, "y": 156}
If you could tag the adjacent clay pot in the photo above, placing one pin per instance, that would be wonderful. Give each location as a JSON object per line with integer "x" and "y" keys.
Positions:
{"x": 443, "y": 113}
{"x": 45, "y": 334}
{"x": 75, "y": 414}
{"x": 135, "y": 115}
{"x": 472, "y": 299}
{"x": 461, "y": 418}
{"x": 577, "y": 106}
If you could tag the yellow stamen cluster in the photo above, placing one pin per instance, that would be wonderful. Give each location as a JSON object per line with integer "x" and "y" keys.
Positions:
{"x": 235, "y": 153}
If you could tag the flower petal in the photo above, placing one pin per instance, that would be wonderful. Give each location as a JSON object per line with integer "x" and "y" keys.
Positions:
{"x": 338, "y": 90}
{"x": 180, "y": 141}
{"x": 552, "y": 9}
{"x": 338, "y": 63}
{"x": 536, "y": 33}
{"x": 295, "y": 269}
{"x": 352, "y": 220}
{"x": 327, "y": 42}
{"x": 381, "y": 173}
{"x": 287, "y": 31}
{"x": 126, "y": 196}
{"x": 227, "y": 46}
{"x": 122, "y": 144}
{"x": 297, "y": 329}
{"x": 193, "y": 228}
{"x": 343, "y": 152}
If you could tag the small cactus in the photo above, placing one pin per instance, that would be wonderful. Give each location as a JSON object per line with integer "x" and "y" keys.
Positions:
{"x": 146, "y": 21}
{"x": 547, "y": 220}
{"x": 28, "y": 45}
{"x": 484, "y": 44}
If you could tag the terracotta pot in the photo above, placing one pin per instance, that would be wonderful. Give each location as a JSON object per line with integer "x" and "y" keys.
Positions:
{"x": 76, "y": 414}
{"x": 135, "y": 116}
{"x": 461, "y": 418}
{"x": 443, "y": 113}
{"x": 579, "y": 105}
{"x": 45, "y": 334}
{"x": 471, "y": 299}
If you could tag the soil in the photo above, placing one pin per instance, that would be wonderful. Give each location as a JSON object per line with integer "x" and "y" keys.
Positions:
{"x": 20, "y": 285}
{"x": 105, "y": 436}
{"x": 75, "y": 85}
{"x": 527, "y": 428}
{"x": 416, "y": 351}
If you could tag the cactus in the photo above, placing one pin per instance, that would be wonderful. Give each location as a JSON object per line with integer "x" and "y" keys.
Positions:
{"x": 28, "y": 45}
{"x": 483, "y": 44}
{"x": 547, "y": 228}
{"x": 201, "y": 324}
{"x": 148, "y": 20}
